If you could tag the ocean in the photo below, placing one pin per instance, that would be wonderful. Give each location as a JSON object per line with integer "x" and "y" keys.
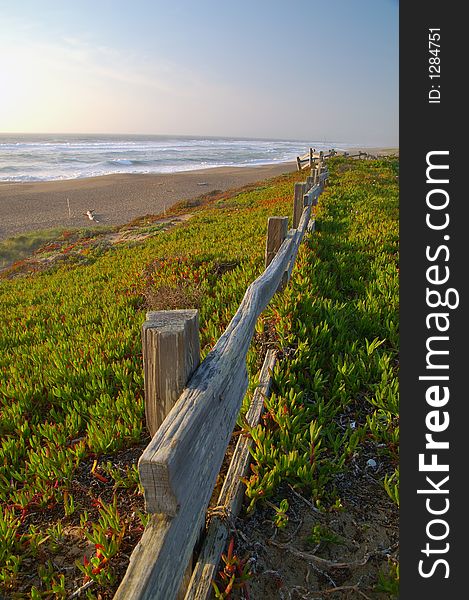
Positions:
{"x": 52, "y": 157}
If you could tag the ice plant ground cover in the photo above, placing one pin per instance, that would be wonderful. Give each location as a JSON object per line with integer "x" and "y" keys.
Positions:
{"x": 71, "y": 383}
{"x": 330, "y": 430}
{"x": 336, "y": 325}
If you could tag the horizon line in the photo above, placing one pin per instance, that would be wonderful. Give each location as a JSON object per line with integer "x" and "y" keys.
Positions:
{"x": 183, "y": 135}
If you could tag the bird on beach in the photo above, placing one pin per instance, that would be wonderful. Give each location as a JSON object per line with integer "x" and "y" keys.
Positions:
{"x": 90, "y": 215}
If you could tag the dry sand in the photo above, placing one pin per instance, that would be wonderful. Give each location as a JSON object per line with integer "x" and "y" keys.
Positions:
{"x": 116, "y": 199}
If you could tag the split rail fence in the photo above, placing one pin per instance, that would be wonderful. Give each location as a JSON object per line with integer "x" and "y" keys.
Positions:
{"x": 191, "y": 411}
{"x": 309, "y": 159}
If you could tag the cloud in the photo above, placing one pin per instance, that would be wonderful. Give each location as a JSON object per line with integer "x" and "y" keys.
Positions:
{"x": 71, "y": 84}
{"x": 92, "y": 63}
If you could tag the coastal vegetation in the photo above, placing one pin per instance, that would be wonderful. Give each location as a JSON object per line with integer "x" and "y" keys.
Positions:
{"x": 71, "y": 383}
{"x": 21, "y": 246}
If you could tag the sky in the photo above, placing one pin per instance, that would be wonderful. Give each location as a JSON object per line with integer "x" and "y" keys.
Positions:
{"x": 251, "y": 68}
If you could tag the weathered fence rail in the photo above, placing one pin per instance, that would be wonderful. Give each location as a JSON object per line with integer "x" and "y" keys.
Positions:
{"x": 313, "y": 157}
{"x": 193, "y": 424}
{"x": 231, "y": 496}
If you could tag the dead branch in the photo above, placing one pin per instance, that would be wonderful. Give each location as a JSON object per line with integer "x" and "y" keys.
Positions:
{"x": 322, "y": 562}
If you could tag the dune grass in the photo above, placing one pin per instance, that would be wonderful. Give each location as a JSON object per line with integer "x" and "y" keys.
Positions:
{"x": 19, "y": 247}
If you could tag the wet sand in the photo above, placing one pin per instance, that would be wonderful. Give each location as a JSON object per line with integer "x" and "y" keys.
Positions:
{"x": 116, "y": 199}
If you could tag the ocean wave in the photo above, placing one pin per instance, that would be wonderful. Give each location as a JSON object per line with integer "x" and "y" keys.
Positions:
{"x": 56, "y": 157}
{"x": 122, "y": 161}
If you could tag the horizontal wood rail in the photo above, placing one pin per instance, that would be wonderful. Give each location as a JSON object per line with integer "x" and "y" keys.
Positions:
{"x": 179, "y": 467}
{"x": 313, "y": 157}
{"x": 231, "y": 495}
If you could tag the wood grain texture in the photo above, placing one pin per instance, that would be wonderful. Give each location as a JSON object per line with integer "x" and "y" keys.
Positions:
{"x": 277, "y": 228}
{"x": 299, "y": 233}
{"x": 151, "y": 574}
{"x": 315, "y": 175}
{"x": 311, "y": 197}
{"x": 322, "y": 180}
{"x": 298, "y": 204}
{"x": 231, "y": 495}
{"x": 171, "y": 353}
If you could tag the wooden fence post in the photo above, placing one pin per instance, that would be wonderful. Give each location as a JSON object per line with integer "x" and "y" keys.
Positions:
{"x": 171, "y": 353}
{"x": 298, "y": 163}
{"x": 315, "y": 175}
{"x": 311, "y": 157}
{"x": 300, "y": 191}
{"x": 277, "y": 228}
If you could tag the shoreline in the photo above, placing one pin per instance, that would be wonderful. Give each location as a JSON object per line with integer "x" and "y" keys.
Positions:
{"x": 116, "y": 199}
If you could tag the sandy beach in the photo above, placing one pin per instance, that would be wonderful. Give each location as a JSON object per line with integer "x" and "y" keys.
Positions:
{"x": 116, "y": 199}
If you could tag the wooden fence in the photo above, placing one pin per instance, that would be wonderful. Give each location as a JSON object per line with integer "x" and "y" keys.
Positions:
{"x": 313, "y": 157}
{"x": 191, "y": 412}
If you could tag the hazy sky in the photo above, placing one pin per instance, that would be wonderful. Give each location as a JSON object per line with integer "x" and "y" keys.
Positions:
{"x": 279, "y": 69}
